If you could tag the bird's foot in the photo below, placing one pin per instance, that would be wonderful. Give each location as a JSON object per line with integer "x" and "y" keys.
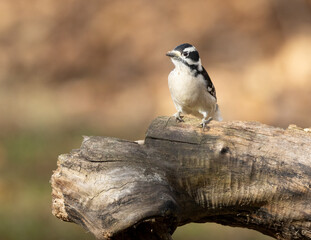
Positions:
{"x": 178, "y": 117}
{"x": 205, "y": 122}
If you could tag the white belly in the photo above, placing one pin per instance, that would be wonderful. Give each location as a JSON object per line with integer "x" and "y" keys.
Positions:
{"x": 190, "y": 93}
{"x": 183, "y": 88}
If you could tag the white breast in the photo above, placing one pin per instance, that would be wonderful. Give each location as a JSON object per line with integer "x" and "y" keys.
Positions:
{"x": 183, "y": 88}
{"x": 186, "y": 89}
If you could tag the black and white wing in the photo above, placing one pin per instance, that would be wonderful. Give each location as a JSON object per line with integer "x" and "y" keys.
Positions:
{"x": 209, "y": 84}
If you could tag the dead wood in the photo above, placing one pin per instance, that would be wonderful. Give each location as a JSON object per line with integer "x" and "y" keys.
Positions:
{"x": 242, "y": 174}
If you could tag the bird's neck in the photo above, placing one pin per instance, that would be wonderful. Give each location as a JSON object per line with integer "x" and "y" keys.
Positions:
{"x": 184, "y": 67}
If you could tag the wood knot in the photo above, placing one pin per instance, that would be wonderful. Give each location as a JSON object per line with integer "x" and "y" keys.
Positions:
{"x": 224, "y": 150}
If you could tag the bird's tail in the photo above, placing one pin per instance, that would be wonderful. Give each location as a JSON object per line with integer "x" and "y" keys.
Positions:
{"x": 217, "y": 115}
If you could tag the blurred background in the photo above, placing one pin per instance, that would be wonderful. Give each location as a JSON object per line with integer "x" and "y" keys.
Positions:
{"x": 75, "y": 67}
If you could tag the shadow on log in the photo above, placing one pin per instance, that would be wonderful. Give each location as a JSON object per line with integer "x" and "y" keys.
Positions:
{"x": 243, "y": 174}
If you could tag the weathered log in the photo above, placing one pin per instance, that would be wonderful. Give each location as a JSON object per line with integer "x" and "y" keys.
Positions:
{"x": 242, "y": 174}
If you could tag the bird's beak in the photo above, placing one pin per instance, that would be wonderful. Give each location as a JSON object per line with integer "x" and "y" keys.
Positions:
{"x": 173, "y": 54}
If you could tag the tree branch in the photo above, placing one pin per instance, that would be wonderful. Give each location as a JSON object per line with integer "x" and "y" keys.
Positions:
{"x": 242, "y": 174}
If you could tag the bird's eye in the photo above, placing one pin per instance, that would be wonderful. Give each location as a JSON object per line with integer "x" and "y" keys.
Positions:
{"x": 185, "y": 54}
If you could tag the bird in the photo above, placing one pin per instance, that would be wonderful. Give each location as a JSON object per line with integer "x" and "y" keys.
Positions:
{"x": 191, "y": 88}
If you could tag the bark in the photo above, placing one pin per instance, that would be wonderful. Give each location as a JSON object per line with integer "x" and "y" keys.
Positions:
{"x": 244, "y": 174}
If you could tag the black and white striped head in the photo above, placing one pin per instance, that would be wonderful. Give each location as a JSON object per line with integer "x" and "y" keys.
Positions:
{"x": 185, "y": 55}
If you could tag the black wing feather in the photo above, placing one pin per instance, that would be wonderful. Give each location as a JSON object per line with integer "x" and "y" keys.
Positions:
{"x": 209, "y": 84}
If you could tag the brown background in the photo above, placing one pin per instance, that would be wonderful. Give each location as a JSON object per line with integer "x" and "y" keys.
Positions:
{"x": 71, "y": 68}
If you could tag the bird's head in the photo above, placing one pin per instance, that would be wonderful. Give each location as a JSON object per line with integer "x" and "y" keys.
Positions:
{"x": 185, "y": 55}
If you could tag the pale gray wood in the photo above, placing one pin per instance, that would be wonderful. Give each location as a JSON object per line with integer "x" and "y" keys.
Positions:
{"x": 244, "y": 174}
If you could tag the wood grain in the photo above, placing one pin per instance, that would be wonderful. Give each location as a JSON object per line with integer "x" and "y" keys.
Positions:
{"x": 244, "y": 174}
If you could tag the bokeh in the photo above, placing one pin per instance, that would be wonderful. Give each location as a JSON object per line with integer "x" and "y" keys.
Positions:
{"x": 74, "y": 67}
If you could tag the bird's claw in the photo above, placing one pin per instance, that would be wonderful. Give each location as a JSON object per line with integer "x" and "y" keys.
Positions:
{"x": 179, "y": 119}
{"x": 203, "y": 126}
{"x": 204, "y": 123}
